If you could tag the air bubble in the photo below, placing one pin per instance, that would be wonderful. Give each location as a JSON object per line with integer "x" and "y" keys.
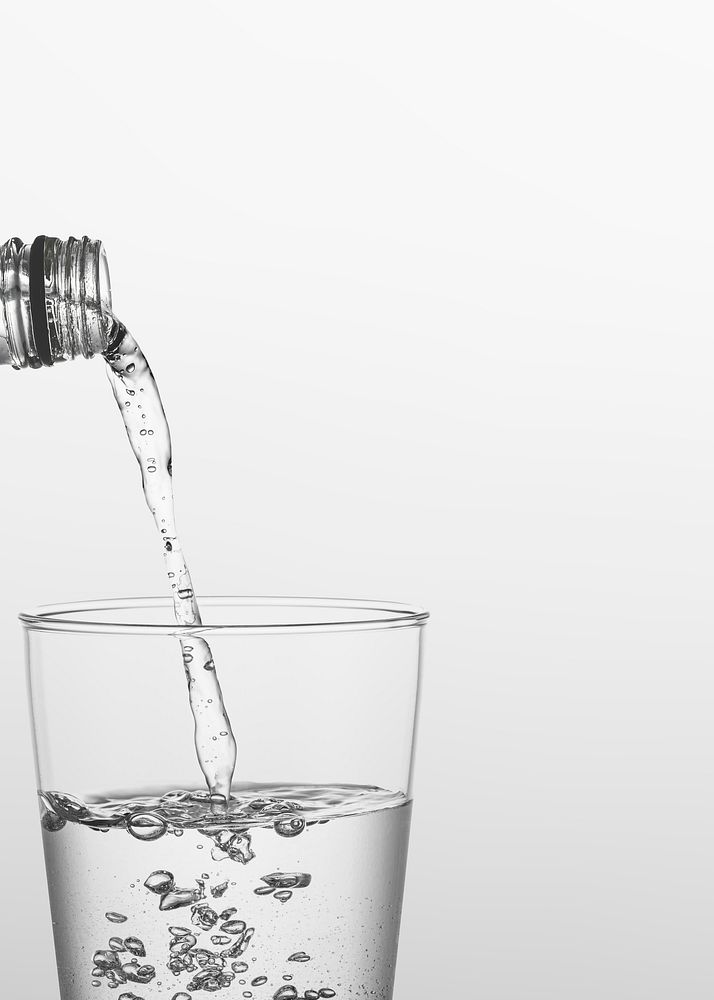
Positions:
{"x": 284, "y": 895}
{"x": 160, "y": 882}
{"x": 105, "y": 960}
{"x": 290, "y": 826}
{"x": 179, "y": 897}
{"x": 135, "y": 946}
{"x": 130, "y": 367}
{"x": 239, "y": 967}
{"x": 327, "y": 994}
{"x": 233, "y": 926}
{"x": 204, "y": 917}
{"x": 287, "y": 880}
{"x": 146, "y": 826}
{"x": 299, "y": 956}
{"x": 115, "y": 918}
{"x": 286, "y": 993}
{"x": 259, "y": 981}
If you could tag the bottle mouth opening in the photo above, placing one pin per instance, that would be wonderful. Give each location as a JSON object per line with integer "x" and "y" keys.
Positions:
{"x": 55, "y": 300}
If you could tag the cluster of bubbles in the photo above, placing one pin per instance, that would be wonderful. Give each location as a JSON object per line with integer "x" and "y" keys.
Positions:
{"x": 115, "y": 965}
{"x": 210, "y": 969}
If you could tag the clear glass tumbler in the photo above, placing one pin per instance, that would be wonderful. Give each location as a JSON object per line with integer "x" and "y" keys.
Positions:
{"x": 293, "y": 888}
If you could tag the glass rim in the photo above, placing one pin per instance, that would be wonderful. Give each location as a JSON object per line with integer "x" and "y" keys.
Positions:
{"x": 355, "y": 614}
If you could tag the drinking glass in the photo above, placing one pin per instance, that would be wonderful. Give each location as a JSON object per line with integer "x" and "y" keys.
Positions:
{"x": 293, "y": 887}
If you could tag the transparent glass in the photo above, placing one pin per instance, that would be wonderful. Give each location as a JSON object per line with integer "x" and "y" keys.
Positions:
{"x": 293, "y": 888}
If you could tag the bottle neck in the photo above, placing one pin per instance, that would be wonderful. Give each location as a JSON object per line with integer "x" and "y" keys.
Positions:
{"x": 55, "y": 301}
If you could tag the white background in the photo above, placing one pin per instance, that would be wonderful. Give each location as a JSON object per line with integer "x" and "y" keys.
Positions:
{"x": 444, "y": 272}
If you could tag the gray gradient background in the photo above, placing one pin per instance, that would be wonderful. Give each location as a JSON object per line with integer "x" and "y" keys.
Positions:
{"x": 464, "y": 251}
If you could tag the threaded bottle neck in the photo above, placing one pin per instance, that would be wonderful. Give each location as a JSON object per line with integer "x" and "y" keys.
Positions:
{"x": 55, "y": 301}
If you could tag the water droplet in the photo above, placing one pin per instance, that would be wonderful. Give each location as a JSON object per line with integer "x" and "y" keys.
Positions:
{"x": 259, "y": 981}
{"x": 220, "y": 939}
{"x": 150, "y": 433}
{"x": 284, "y": 895}
{"x": 160, "y": 882}
{"x": 299, "y": 956}
{"x": 264, "y": 890}
{"x": 142, "y": 431}
{"x": 146, "y": 826}
{"x": 130, "y": 392}
{"x": 287, "y": 978}
{"x": 130, "y": 367}
{"x": 151, "y": 468}
{"x": 116, "y": 944}
{"x": 219, "y": 890}
{"x": 181, "y": 996}
{"x": 239, "y": 966}
{"x": 115, "y": 918}
{"x": 179, "y": 931}
{"x": 311, "y": 995}
{"x": 326, "y": 993}
{"x": 209, "y": 665}
{"x": 185, "y": 593}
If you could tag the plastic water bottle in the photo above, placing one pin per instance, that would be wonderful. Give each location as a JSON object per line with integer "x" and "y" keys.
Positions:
{"x": 55, "y": 301}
